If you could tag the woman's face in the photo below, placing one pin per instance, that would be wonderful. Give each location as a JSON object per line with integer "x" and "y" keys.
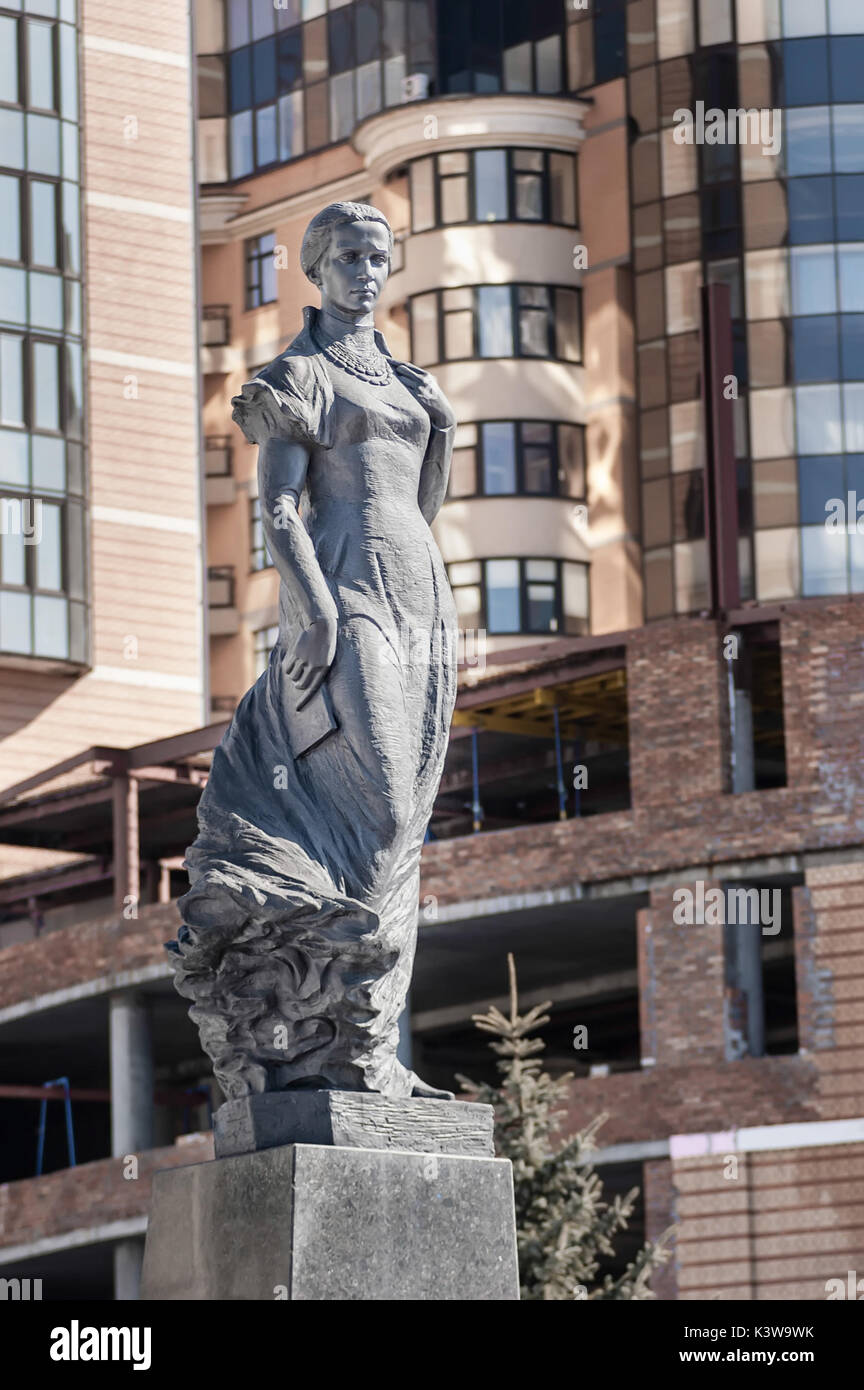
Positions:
{"x": 354, "y": 268}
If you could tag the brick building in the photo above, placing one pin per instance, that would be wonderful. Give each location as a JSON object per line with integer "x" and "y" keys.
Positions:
{"x": 663, "y": 721}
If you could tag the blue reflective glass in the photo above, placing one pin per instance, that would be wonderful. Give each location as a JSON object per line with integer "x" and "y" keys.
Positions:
{"x": 815, "y": 348}
{"x": 264, "y": 71}
{"x": 289, "y": 60}
{"x": 10, "y": 217}
{"x": 265, "y": 136}
{"x": 12, "y": 138}
{"x": 340, "y": 38}
{"x": 823, "y": 561}
{"x": 241, "y": 144}
{"x": 852, "y": 347}
{"x": 46, "y": 301}
{"x": 43, "y": 144}
{"x": 847, "y": 67}
{"x": 848, "y": 124}
{"x": 808, "y": 140}
{"x": 8, "y": 58}
{"x": 805, "y": 72}
{"x": 819, "y": 480}
{"x": 499, "y": 458}
{"x": 13, "y": 295}
{"x": 240, "y": 80}
{"x": 40, "y": 66}
{"x": 810, "y": 217}
{"x": 849, "y": 194}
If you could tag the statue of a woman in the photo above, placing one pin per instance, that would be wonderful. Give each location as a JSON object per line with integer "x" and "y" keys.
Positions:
{"x": 301, "y": 920}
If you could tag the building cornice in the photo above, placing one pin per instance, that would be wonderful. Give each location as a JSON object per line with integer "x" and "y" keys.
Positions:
{"x": 401, "y": 133}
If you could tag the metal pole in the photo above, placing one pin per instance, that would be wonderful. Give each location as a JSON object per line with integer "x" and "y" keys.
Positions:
{"x": 559, "y": 767}
{"x": 476, "y": 808}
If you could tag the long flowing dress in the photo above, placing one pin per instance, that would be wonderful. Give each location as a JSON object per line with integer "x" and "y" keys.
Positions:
{"x": 300, "y": 923}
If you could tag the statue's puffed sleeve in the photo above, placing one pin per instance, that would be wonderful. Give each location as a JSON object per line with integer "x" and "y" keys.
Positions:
{"x": 286, "y": 400}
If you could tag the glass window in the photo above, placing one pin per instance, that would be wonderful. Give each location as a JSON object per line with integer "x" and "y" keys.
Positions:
{"x": 266, "y": 149}
{"x": 368, "y": 31}
{"x": 13, "y": 445}
{"x": 575, "y": 597}
{"x": 13, "y": 557}
{"x": 463, "y": 468}
{"x": 533, "y": 320}
{"x": 495, "y": 321}
{"x": 49, "y": 463}
{"x": 289, "y": 60}
{"x": 816, "y": 348}
{"x": 814, "y": 280}
{"x": 13, "y": 295}
{"x": 71, "y": 229}
{"x": 317, "y": 122}
{"x": 46, "y": 301}
{"x": 568, "y": 337}
{"x": 48, "y": 556}
{"x": 852, "y": 346}
{"x": 571, "y": 460}
{"x": 805, "y": 72}
{"x": 46, "y": 386}
{"x": 499, "y": 458}
{"x": 818, "y": 420}
{"x": 15, "y": 619}
{"x": 454, "y": 199}
{"x": 528, "y": 180}
{"x": 10, "y": 221}
{"x": 43, "y": 144}
{"x": 241, "y": 144}
{"x": 562, "y": 189}
{"x": 803, "y": 17}
{"x": 848, "y": 123}
{"x": 851, "y": 267}
{"x": 240, "y": 80}
{"x": 12, "y": 138}
{"x": 11, "y": 379}
{"x": 8, "y": 59}
{"x": 315, "y": 50}
{"x": 541, "y": 596}
{"x": 43, "y": 223}
{"x": 810, "y": 210}
{"x": 424, "y": 329}
{"x": 547, "y": 58}
{"x": 808, "y": 140}
{"x": 823, "y": 561}
{"x": 368, "y": 90}
{"x": 40, "y": 66}
{"x": 819, "y": 481}
{"x": 502, "y": 596}
{"x": 341, "y": 106}
{"x": 844, "y": 16}
{"x": 260, "y": 270}
{"x": 853, "y": 417}
{"x": 264, "y": 71}
{"x": 849, "y": 194}
{"x": 537, "y": 459}
{"x": 422, "y": 195}
{"x": 238, "y": 23}
{"x": 518, "y": 74}
{"x": 458, "y": 328}
{"x": 291, "y": 125}
{"x": 490, "y": 185}
{"x": 51, "y": 626}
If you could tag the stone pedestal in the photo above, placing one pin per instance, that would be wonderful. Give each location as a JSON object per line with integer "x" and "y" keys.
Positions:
{"x": 318, "y": 1222}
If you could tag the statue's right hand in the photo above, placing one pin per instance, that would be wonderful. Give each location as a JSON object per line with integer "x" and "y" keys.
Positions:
{"x": 313, "y": 654}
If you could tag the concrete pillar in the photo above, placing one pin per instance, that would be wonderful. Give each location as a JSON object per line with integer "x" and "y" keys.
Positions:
{"x": 128, "y": 1258}
{"x": 131, "y": 1114}
{"x": 131, "y": 1076}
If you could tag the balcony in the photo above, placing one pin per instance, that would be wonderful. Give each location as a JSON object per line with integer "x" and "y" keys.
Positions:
{"x": 221, "y": 487}
{"x": 224, "y": 619}
{"x": 217, "y": 355}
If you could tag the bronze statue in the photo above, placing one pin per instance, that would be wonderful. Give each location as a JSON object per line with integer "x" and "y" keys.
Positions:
{"x": 300, "y": 923}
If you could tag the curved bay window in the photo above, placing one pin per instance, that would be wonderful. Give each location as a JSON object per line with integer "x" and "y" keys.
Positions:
{"x": 496, "y": 321}
{"x": 530, "y": 596}
{"x": 499, "y": 458}
{"x": 42, "y": 510}
{"x": 506, "y": 185}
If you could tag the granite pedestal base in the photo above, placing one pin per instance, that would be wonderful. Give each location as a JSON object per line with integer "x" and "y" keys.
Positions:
{"x": 352, "y": 1120}
{"x": 313, "y": 1222}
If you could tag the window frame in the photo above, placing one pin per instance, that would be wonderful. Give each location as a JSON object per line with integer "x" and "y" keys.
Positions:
{"x": 253, "y": 279}
{"x": 556, "y": 494}
{"x": 511, "y": 173}
{"x": 517, "y": 353}
{"x": 523, "y": 561}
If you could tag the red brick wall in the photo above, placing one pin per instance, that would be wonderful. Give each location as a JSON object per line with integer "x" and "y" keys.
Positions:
{"x": 769, "y": 1225}
{"x": 681, "y": 985}
{"x": 92, "y": 1194}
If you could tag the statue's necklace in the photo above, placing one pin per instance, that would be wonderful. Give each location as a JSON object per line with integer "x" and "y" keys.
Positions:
{"x": 369, "y": 365}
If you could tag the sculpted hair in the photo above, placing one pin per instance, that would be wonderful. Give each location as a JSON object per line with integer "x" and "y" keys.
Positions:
{"x": 318, "y": 234}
